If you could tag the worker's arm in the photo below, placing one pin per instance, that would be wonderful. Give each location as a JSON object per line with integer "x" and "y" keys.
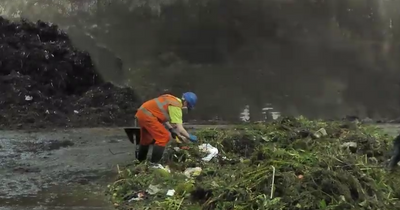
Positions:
{"x": 173, "y": 131}
{"x": 168, "y": 125}
{"x": 182, "y": 131}
{"x": 176, "y": 116}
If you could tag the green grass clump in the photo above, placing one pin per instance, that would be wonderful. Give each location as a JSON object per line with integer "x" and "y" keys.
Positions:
{"x": 277, "y": 165}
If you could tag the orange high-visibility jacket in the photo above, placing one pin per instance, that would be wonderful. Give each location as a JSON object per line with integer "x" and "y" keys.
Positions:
{"x": 158, "y": 107}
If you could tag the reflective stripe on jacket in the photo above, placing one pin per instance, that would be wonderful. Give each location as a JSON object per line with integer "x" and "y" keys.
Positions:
{"x": 158, "y": 107}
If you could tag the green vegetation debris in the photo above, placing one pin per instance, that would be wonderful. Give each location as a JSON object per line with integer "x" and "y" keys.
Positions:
{"x": 291, "y": 163}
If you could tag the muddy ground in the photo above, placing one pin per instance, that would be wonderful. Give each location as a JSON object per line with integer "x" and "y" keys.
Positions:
{"x": 66, "y": 169}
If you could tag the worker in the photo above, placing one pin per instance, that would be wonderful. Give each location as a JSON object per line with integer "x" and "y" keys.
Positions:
{"x": 156, "y": 116}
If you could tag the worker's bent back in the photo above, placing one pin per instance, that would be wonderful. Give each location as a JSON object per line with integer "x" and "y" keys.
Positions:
{"x": 158, "y": 107}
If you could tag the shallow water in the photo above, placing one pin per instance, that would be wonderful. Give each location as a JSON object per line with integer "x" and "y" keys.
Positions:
{"x": 60, "y": 169}
{"x": 61, "y": 197}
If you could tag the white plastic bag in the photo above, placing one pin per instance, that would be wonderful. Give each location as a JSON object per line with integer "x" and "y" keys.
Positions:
{"x": 208, "y": 148}
{"x": 189, "y": 172}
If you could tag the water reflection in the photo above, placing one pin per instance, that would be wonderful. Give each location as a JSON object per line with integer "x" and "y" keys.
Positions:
{"x": 268, "y": 112}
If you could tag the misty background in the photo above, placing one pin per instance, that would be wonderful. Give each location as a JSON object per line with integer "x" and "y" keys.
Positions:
{"x": 318, "y": 58}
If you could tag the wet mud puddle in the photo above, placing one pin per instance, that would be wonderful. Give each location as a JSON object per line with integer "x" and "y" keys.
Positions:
{"x": 66, "y": 169}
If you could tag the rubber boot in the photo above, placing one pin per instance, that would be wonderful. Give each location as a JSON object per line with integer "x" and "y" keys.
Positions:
{"x": 142, "y": 153}
{"x": 395, "y": 158}
{"x": 158, "y": 152}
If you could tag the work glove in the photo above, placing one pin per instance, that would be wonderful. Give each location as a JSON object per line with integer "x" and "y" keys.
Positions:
{"x": 192, "y": 138}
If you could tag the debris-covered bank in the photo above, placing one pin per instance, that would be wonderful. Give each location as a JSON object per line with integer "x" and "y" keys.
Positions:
{"x": 287, "y": 164}
{"x": 46, "y": 82}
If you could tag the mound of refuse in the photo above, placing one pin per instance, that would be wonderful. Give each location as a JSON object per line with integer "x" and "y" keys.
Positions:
{"x": 292, "y": 163}
{"x": 46, "y": 82}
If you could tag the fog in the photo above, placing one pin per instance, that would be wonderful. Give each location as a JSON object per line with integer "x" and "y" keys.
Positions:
{"x": 321, "y": 59}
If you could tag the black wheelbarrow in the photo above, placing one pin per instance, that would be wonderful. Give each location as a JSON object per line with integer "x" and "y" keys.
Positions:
{"x": 133, "y": 134}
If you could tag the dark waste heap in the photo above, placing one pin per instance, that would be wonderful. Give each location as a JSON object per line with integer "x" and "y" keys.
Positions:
{"x": 45, "y": 82}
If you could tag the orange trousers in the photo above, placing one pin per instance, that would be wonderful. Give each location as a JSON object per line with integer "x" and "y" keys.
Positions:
{"x": 151, "y": 129}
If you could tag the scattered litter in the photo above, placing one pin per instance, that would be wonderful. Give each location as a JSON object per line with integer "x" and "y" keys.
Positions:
{"x": 76, "y": 112}
{"x": 190, "y": 172}
{"x": 229, "y": 159}
{"x": 28, "y": 98}
{"x": 177, "y": 149}
{"x": 208, "y": 148}
{"x": 268, "y": 168}
{"x": 265, "y": 138}
{"x": 171, "y": 192}
{"x": 159, "y": 166}
{"x": 320, "y": 133}
{"x": 153, "y": 189}
{"x": 214, "y": 184}
{"x": 138, "y": 196}
{"x": 349, "y": 145}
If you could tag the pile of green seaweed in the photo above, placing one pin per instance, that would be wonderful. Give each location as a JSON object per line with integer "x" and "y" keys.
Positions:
{"x": 291, "y": 163}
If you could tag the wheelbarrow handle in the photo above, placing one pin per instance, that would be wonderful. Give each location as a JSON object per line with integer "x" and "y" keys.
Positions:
{"x": 133, "y": 132}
